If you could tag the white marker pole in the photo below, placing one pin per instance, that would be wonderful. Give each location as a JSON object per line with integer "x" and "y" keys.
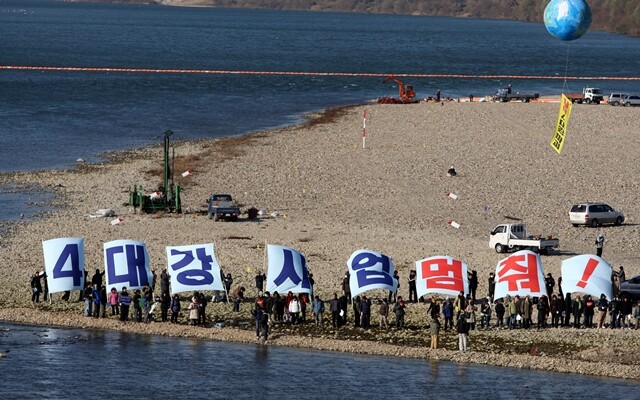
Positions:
{"x": 364, "y": 129}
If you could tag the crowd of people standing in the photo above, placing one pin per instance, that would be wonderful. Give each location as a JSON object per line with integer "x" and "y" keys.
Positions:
{"x": 461, "y": 314}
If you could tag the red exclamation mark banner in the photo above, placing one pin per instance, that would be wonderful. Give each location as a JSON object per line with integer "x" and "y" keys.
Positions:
{"x": 588, "y": 271}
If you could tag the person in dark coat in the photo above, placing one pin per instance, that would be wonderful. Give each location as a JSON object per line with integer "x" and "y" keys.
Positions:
{"x": 36, "y": 287}
{"x": 473, "y": 284}
{"x": 492, "y": 285}
{"x": 398, "y": 309}
{"x": 462, "y": 327}
{"x": 165, "y": 304}
{"x": 549, "y": 284}
{"x": 365, "y": 319}
{"x": 164, "y": 283}
{"x": 175, "y": 308}
{"x": 357, "y": 311}
{"x": 334, "y": 308}
{"x": 568, "y": 308}
{"x": 260, "y": 278}
{"x": 96, "y": 279}
{"x": 344, "y": 305}
{"x": 346, "y": 287}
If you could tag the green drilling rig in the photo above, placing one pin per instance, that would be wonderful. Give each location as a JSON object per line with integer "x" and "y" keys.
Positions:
{"x": 167, "y": 197}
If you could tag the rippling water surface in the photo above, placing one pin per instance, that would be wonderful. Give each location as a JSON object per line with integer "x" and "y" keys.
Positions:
{"x": 79, "y": 363}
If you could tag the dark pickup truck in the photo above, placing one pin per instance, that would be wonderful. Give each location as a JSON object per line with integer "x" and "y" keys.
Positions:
{"x": 505, "y": 95}
{"x": 221, "y": 206}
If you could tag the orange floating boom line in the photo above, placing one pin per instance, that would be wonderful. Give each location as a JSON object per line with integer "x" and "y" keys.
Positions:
{"x": 308, "y": 73}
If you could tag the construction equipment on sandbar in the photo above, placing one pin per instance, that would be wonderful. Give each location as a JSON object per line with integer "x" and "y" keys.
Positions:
{"x": 407, "y": 94}
{"x": 167, "y": 197}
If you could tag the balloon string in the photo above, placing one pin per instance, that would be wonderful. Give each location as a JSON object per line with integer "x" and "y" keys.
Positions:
{"x": 565, "y": 85}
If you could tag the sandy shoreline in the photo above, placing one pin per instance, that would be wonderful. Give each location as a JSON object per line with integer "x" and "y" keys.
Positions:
{"x": 333, "y": 198}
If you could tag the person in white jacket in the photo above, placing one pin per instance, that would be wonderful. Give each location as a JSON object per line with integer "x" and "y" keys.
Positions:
{"x": 294, "y": 310}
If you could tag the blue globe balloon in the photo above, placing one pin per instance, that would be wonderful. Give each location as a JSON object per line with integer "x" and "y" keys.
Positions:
{"x": 567, "y": 19}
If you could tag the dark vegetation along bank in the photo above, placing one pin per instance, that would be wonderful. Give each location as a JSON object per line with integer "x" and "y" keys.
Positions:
{"x": 617, "y": 16}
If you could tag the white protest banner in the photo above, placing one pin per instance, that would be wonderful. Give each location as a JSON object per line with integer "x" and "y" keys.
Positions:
{"x": 370, "y": 270}
{"x": 286, "y": 270}
{"x": 64, "y": 264}
{"x": 587, "y": 273}
{"x": 520, "y": 274}
{"x": 193, "y": 268}
{"x": 126, "y": 263}
{"x": 442, "y": 275}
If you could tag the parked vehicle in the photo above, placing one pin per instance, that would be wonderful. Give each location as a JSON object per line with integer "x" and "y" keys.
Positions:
{"x": 505, "y": 94}
{"x": 615, "y": 99}
{"x": 222, "y": 206}
{"x": 594, "y": 214}
{"x": 513, "y": 237}
{"x": 588, "y": 95}
{"x": 631, "y": 100}
{"x": 630, "y": 288}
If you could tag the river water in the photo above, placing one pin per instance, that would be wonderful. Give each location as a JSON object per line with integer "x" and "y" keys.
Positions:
{"x": 49, "y": 119}
{"x": 49, "y": 363}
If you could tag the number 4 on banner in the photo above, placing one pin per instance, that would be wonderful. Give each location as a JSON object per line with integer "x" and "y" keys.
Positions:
{"x": 69, "y": 251}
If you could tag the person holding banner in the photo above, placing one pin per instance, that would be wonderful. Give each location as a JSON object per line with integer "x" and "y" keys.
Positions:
{"x": 164, "y": 282}
{"x": 294, "y": 310}
{"x": 365, "y": 319}
{"x": 193, "y": 311}
{"x": 346, "y": 288}
{"x": 114, "y": 300}
{"x": 125, "y": 303}
{"x": 36, "y": 287}
{"x": 103, "y": 301}
{"x": 137, "y": 306}
{"x": 96, "y": 301}
{"x": 175, "y": 308}
{"x": 413, "y": 293}
{"x": 447, "y": 313}
{"x": 88, "y": 300}
{"x": 627, "y": 309}
{"x": 394, "y": 294}
{"x": 603, "y": 306}
{"x": 568, "y": 307}
{"x": 96, "y": 279}
{"x": 589, "y": 308}
{"x": 384, "y": 313}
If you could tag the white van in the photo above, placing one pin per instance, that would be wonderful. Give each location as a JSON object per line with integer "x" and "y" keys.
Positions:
{"x": 615, "y": 99}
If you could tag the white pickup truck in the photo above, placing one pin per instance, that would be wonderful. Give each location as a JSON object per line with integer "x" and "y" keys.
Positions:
{"x": 510, "y": 237}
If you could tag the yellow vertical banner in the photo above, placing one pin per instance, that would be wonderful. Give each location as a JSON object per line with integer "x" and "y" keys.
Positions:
{"x": 561, "y": 126}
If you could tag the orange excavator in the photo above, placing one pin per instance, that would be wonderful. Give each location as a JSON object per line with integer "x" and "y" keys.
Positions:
{"x": 407, "y": 94}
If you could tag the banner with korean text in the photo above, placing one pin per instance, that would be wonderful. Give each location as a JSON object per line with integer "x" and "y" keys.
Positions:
{"x": 64, "y": 264}
{"x": 286, "y": 270}
{"x": 370, "y": 270}
{"x": 126, "y": 263}
{"x": 441, "y": 275}
{"x": 193, "y": 268}
{"x": 520, "y": 274}
{"x": 588, "y": 274}
{"x": 560, "y": 132}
